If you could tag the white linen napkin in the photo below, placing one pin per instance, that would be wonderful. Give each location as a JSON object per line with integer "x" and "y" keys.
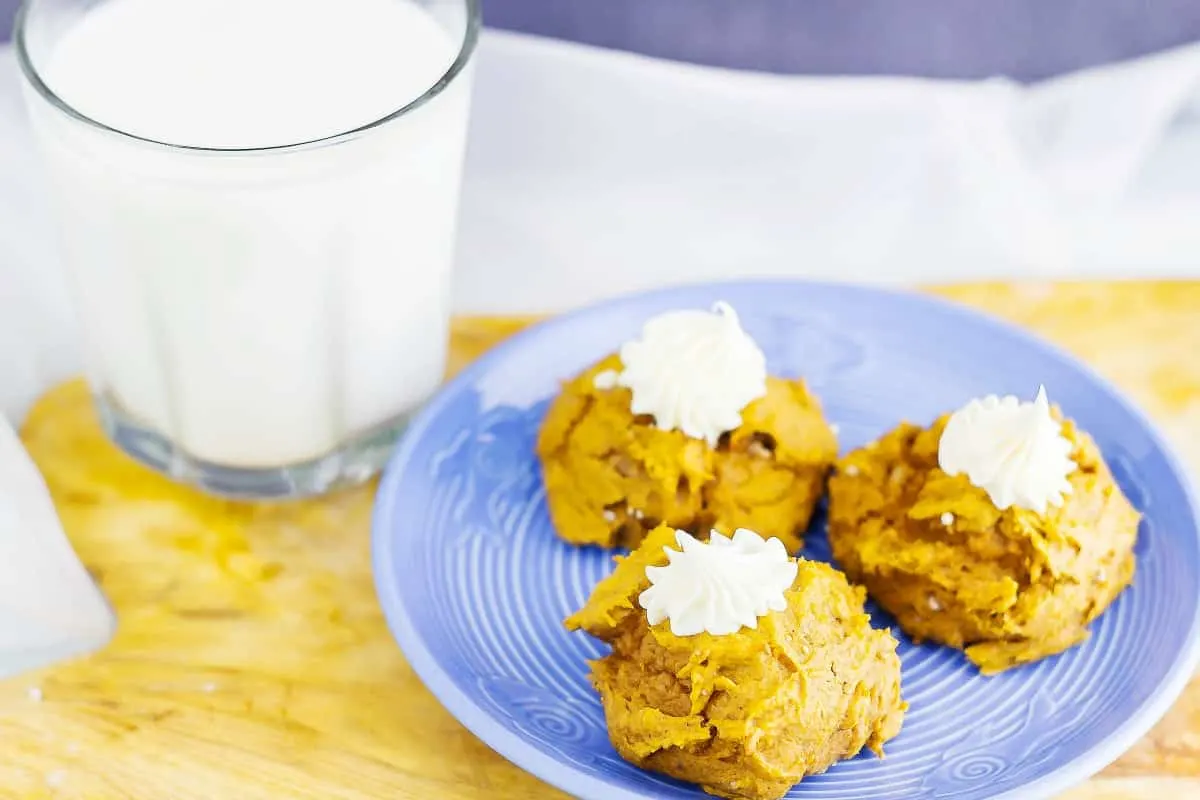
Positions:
{"x": 49, "y": 607}
{"x": 593, "y": 173}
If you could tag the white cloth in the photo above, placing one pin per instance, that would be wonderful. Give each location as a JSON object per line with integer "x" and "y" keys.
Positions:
{"x": 593, "y": 173}
{"x": 49, "y": 607}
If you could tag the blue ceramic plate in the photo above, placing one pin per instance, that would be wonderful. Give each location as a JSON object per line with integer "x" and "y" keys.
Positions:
{"x": 475, "y": 584}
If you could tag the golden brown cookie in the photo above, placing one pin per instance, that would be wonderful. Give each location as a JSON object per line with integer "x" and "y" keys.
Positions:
{"x": 1008, "y": 587}
{"x": 749, "y": 714}
{"x": 610, "y": 476}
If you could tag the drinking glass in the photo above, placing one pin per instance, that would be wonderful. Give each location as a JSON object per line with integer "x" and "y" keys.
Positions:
{"x": 260, "y": 322}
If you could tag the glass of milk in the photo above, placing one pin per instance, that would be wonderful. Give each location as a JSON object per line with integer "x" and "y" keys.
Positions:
{"x": 257, "y": 202}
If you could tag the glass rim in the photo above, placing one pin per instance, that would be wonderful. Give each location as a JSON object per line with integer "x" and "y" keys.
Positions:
{"x": 466, "y": 48}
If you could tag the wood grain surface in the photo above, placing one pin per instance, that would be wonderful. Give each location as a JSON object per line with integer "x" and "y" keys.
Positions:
{"x": 252, "y": 661}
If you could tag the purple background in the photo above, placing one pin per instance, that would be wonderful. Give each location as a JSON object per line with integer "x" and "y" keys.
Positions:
{"x": 1025, "y": 39}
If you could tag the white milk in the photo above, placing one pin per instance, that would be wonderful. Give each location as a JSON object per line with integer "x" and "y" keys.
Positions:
{"x": 258, "y": 309}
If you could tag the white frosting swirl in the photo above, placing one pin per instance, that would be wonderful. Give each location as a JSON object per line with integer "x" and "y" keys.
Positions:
{"x": 1014, "y": 451}
{"x": 694, "y": 371}
{"x": 720, "y": 586}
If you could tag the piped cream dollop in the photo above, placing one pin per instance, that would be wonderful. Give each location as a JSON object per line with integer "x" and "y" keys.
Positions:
{"x": 693, "y": 371}
{"x": 1013, "y": 450}
{"x": 719, "y": 586}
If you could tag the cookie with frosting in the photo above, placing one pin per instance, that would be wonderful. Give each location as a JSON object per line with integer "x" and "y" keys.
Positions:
{"x": 737, "y": 667}
{"x": 998, "y": 530}
{"x": 684, "y": 426}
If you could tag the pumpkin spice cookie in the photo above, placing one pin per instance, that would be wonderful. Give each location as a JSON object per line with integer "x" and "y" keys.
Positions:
{"x": 684, "y": 426}
{"x": 736, "y": 667}
{"x": 998, "y": 530}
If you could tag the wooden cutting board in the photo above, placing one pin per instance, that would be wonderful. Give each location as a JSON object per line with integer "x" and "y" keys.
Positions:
{"x": 252, "y": 660}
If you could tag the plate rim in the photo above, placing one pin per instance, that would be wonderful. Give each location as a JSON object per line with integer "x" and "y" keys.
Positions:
{"x": 565, "y": 776}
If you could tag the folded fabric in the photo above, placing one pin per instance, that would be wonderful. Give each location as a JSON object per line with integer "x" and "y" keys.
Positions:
{"x": 593, "y": 173}
{"x": 49, "y": 607}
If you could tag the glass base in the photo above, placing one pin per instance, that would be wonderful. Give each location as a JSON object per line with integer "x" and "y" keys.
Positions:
{"x": 354, "y": 463}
